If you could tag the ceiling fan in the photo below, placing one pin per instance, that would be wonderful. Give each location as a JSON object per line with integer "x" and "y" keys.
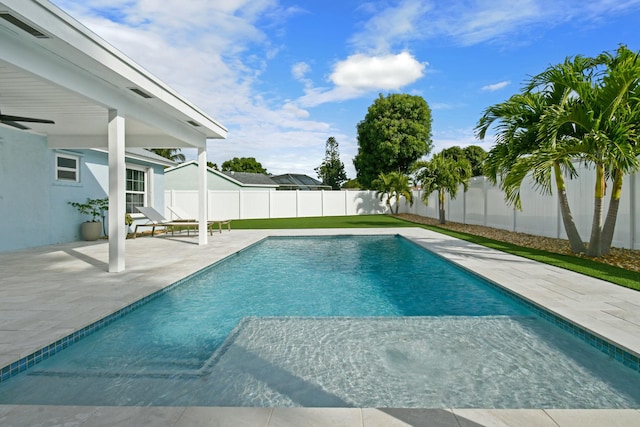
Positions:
{"x": 13, "y": 121}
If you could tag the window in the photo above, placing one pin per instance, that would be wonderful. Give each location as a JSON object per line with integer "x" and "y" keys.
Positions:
{"x": 67, "y": 168}
{"x": 136, "y": 192}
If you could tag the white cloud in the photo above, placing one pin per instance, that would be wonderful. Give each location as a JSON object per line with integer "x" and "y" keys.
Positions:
{"x": 469, "y": 23}
{"x": 299, "y": 70}
{"x": 390, "y": 26}
{"x": 496, "y": 86}
{"x": 360, "y": 74}
{"x": 377, "y": 72}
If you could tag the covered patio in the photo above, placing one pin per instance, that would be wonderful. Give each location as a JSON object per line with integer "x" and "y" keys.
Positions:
{"x": 54, "y": 68}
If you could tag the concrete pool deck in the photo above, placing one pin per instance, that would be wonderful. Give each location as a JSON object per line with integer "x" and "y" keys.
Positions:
{"x": 48, "y": 293}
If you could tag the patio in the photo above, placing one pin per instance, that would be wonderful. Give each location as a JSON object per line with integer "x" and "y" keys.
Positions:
{"x": 48, "y": 293}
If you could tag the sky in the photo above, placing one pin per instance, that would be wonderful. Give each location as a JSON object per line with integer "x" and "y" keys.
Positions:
{"x": 285, "y": 75}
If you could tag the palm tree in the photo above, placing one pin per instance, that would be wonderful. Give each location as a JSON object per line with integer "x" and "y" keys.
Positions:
{"x": 519, "y": 153}
{"x": 393, "y": 185}
{"x": 173, "y": 154}
{"x": 444, "y": 175}
{"x": 605, "y": 113}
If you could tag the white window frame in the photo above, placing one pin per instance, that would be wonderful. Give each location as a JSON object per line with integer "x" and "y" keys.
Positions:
{"x": 147, "y": 193}
{"x": 58, "y": 168}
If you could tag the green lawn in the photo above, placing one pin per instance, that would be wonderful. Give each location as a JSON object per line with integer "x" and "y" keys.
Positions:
{"x": 620, "y": 276}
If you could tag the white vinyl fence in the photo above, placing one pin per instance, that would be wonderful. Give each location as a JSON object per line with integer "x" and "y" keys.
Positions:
{"x": 277, "y": 204}
{"x": 483, "y": 204}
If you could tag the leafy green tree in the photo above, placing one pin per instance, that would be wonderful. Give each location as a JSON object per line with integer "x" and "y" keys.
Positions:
{"x": 331, "y": 171}
{"x": 393, "y": 186}
{"x": 213, "y": 166}
{"x": 476, "y": 156}
{"x": 473, "y": 153}
{"x": 395, "y": 133}
{"x": 173, "y": 154}
{"x": 443, "y": 174}
{"x": 352, "y": 183}
{"x": 454, "y": 153}
{"x": 243, "y": 164}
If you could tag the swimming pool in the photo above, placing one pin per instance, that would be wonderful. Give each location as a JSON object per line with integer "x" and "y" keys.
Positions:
{"x": 397, "y": 319}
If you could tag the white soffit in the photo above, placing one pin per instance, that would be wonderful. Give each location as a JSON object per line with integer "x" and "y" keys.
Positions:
{"x": 69, "y": 75}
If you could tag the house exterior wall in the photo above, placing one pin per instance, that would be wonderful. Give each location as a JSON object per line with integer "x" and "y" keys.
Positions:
{"x": 185, "y": 178}
{"x": 34, "y": 205}
{"x": 24, "y": 199}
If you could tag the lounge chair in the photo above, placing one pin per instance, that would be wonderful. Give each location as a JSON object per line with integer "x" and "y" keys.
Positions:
{"x": 156, "y": 219}
{"x": 182, "y": 216}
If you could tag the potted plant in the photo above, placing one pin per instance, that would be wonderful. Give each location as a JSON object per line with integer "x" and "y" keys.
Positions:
{"x": 92, "y": 230}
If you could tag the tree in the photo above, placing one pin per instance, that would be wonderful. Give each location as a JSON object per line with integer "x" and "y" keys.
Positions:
{"x": 510, "y": 160}
{"x": 331, "y": 171}
{"x": 352, "y": 183}
{"x": 605, "y": 111}
{"x": 243, "y": 164}
{"x": 473, "y": 153}
{"x": 393, "y": 185}
{"x": 173, "y": 154}
{"x": 476, "y": 156}
{"x": 627, "y": 116}
{"x": 212, "y": 166}
{"x": 586, "y": 110}
{"x": 395, "y": 133}
{"x": 443, "y": 174}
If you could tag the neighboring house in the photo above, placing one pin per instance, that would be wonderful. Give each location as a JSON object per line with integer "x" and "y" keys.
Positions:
{"x": 184, "y": 177}
{"x": 97, "y": 109}
{"x": 254, "y": 181}
{"x": 293, "y": 181}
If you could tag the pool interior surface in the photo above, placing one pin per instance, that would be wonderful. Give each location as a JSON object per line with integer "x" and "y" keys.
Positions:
{"x": 367, "y": 321}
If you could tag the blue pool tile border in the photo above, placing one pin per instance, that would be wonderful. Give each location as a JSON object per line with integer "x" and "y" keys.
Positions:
{"x": 630, "y": 360}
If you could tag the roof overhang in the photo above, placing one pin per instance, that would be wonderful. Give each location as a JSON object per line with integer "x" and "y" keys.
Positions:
{"x": 52, "y": 67}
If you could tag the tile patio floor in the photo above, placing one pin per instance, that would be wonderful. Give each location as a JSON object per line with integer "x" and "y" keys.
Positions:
{"x": 48, "y": 293}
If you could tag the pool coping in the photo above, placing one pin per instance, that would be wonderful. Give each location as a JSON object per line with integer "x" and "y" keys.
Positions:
{"x": 603, "y": 309}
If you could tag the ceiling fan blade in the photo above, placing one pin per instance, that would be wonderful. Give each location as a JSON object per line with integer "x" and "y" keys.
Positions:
{"x": 14, "y": 124}
{"x": 6, "y": 118}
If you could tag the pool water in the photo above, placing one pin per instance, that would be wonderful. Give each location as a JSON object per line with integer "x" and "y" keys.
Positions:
{"x": 370, "y": 321}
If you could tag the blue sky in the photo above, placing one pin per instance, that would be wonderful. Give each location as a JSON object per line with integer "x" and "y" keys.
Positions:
{"x": 285, "y": 75}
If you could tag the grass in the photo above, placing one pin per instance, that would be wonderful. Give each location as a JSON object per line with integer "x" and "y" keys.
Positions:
{"x": 617, "y": 275}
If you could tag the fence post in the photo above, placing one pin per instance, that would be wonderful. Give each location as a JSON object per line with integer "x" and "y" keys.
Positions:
{"x": 240, "y": 204}
{"x": 633, "y": 210}
{"x": 321, "y": 202}
{"x": 346, "y": 198}
{"x": 172, "y": 199}
{"x": 485, "y": 192}
{"x": 464, "y": 207}
{"x": 297, "y": 203}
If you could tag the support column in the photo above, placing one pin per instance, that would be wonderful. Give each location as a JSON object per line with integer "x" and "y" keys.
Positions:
{"x": 117, "y": 171}
{"x": 202, "y": 195}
